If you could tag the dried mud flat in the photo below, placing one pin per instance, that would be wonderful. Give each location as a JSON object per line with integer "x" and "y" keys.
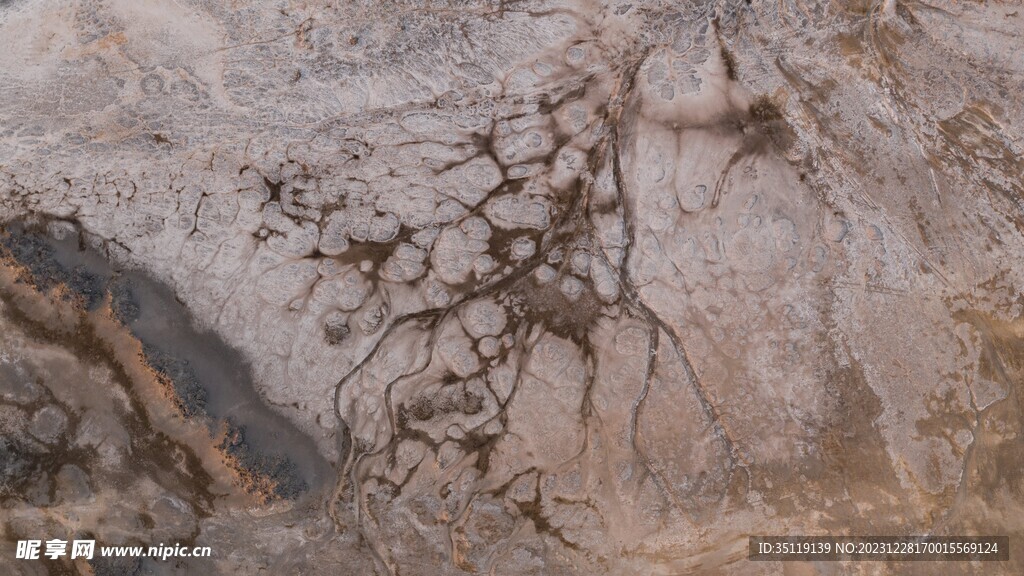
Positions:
{"x": 509, "y": 287}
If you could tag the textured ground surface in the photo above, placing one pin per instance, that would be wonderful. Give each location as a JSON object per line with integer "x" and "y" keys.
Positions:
{"x": 553, "y": 287}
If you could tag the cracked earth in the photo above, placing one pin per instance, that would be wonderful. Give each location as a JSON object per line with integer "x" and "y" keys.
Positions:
{"x": 509, "y": 287}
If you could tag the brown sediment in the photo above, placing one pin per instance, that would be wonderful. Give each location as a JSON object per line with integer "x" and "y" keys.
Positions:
{"x": 999, "y": 462}
{"x": 729, "y": 61}
{"x": 769, "y": 118}
{"x": 547, "y": 306}
{"x": 854, "y": 457}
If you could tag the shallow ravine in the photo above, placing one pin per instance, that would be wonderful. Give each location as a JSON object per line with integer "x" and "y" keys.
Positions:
{"x": 150, "y": 314}
{"x": 142, "y": 472}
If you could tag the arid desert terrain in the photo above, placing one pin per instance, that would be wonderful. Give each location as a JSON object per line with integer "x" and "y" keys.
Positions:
{"x": 509, "y": 287}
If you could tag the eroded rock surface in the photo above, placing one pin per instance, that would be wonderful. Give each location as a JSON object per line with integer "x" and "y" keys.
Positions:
{"x": 557, "y": 287}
